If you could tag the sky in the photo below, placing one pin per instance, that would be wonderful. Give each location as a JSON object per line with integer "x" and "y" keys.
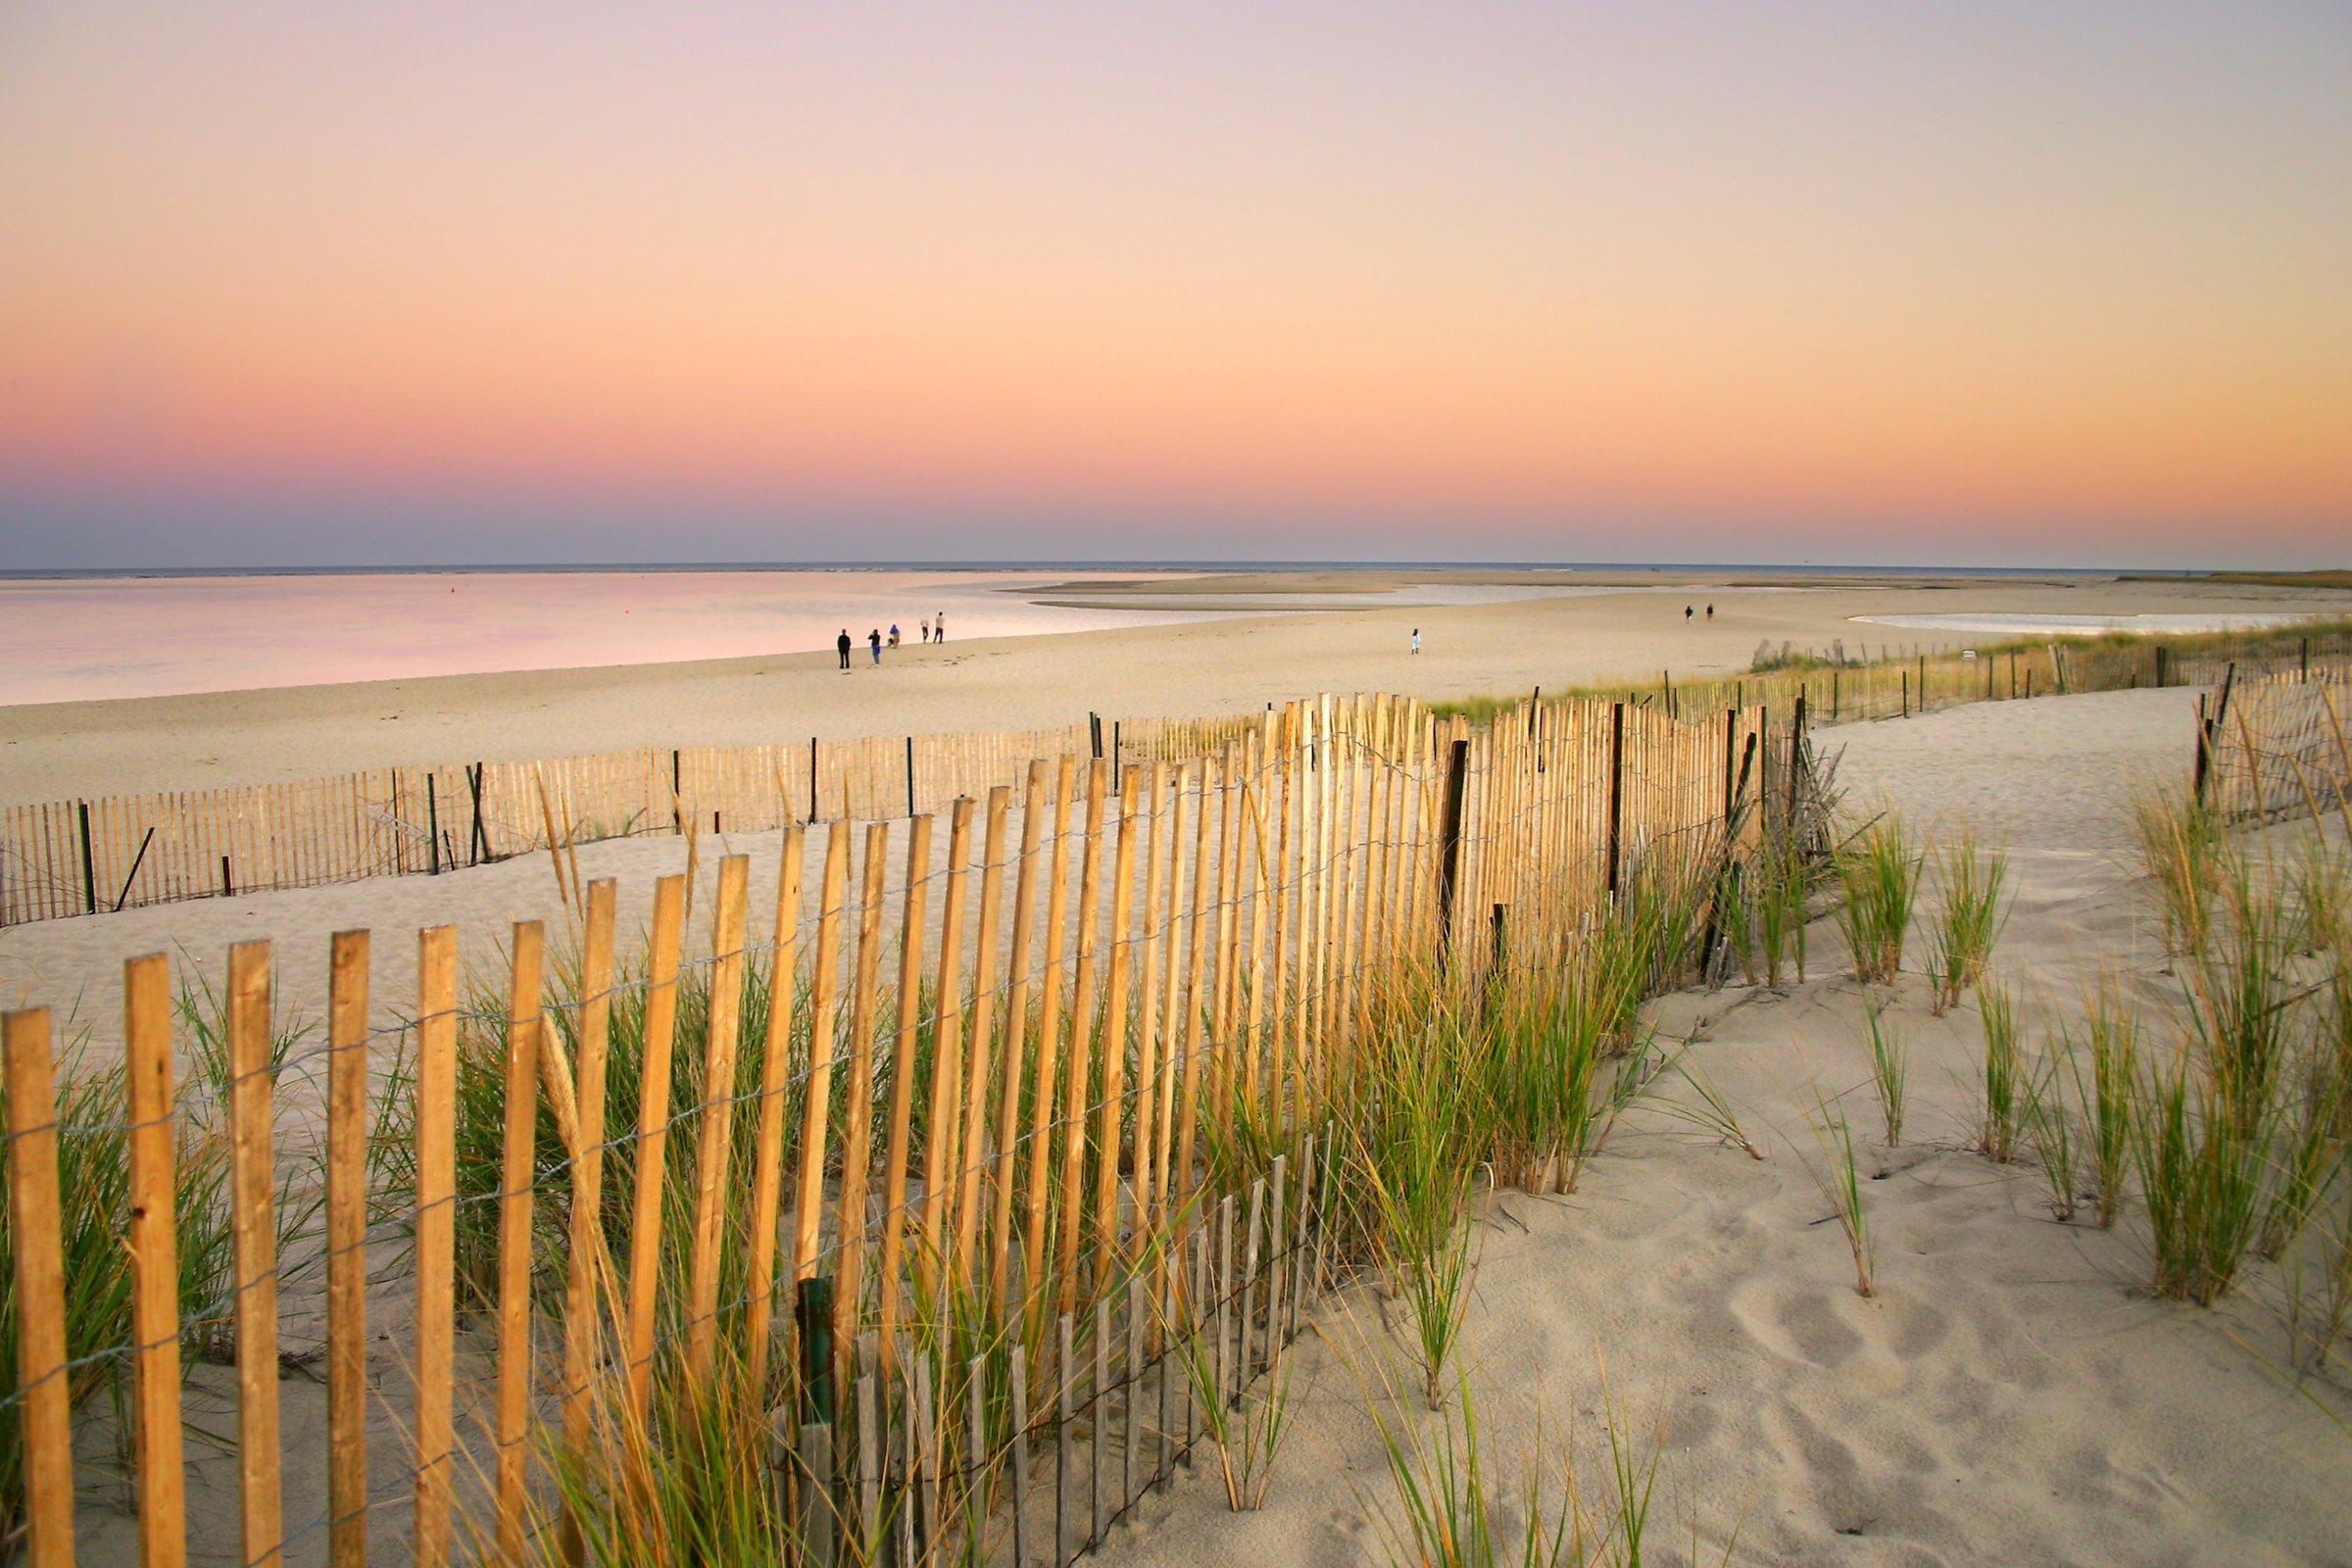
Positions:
{"x": 2017, "y": 283}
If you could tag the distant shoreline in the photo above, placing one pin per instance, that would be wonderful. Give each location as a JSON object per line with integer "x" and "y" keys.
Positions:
{"x": 1652, "y": 570}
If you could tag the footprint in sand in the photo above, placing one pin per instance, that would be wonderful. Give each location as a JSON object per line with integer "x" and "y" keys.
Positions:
{"x": 1801, "y": 1326}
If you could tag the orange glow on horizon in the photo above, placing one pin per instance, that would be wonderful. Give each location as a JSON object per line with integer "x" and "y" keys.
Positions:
{"x": 1299, "y": 308}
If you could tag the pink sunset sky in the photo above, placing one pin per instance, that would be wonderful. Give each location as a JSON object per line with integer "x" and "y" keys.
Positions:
{"x": 2017, "y": 283}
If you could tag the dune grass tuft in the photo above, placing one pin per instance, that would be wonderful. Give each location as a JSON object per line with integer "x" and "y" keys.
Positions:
{"x": 1877, "y": 877}
{"x": 1996, "y": 1140}
{"x": 1839, "y": 1176}
{"x": 1961, "y": 941}
{"x": 1889, "y": 1067}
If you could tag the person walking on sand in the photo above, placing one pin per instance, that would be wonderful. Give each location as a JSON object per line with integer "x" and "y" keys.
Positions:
{"x": 939, "y": 627}
{"x": 874, "y": 640}
{"x": 843, "y": 644}
{"x": 926, "y": 631}
{"x": 1710, "y": 612}
{"x": 1686, "y": 612}
{"x": 1416, "y": 639}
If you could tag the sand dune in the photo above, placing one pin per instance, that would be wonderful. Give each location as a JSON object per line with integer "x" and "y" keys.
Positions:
{"x": 2008, "y": 1395}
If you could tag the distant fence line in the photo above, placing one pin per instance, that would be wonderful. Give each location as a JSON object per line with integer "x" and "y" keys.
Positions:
{"x": 68, "y": 858}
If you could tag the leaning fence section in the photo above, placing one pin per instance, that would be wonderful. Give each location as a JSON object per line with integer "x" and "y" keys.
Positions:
{"x": 942, "y": 1219}
{"x": 2276, "y": 745}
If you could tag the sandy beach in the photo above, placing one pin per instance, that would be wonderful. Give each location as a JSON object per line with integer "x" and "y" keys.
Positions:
{"x": 1633, "y": 632}
{"x": 2010, "y": 1395}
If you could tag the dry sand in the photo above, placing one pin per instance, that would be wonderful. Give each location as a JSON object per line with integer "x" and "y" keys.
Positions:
{"x": 2007, "y": 1397}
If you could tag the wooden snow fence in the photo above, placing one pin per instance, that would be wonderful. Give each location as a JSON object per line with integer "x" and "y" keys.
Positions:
{"x": 938, "y": 1172}
{"x": 2276, "y": 744}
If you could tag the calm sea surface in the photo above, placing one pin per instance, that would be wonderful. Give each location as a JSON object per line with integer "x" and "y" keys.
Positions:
{"x": 75, "y": 639}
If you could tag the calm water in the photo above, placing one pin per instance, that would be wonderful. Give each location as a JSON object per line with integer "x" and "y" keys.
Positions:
{"x": 75, "y": 639}
{"x": 2017, "y": 625}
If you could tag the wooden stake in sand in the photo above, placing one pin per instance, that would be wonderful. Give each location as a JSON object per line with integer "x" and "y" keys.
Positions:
{"x": 155, "y": 1262}
{"x": 346, "y": 1251}
{"x": 32, "y": 1212}
{"x": 253, "y": 1184}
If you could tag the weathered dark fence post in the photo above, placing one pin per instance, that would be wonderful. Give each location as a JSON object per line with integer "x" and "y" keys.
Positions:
{"x": 911, "y": 776}
{"x": 677, "y": 795}
{"x": 1094, "y": 727}
{"x": 1449, "y": 843}
{"x": 229, "y": 889}
{"x": 90, "y": 864}
{"x": 1796, "y": 754}
{"x": 432, "y": 825}
{"x": 811, "y": 778}
{"x": 136, "y": 861}
{"x": 1497, "y": 954}
{"x": 814, "y": 1311}
{"x": 478, "y": 848}
{"x": 2160, "y": 666}
{"x": 1616, "y": 790}
{"x": 1731, "y": 744}
{"x": 2204, "y": 749}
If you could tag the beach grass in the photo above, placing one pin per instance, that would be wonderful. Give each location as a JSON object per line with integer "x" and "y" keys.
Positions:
{"x": 1889, "y": 1066}
{"x": 1997, "y": 1138}
{"x": 1969, "y": 921}
{"x": 1878, "y": 870}
{"x": 1838, "y": 1177}
{"x": 2051, "y": 1127}
{"x": 2112, "y": 1033}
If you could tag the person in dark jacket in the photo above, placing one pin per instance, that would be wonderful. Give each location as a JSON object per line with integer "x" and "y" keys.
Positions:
{"x": 843, "y": 644}
{"x": 875, "y": 638}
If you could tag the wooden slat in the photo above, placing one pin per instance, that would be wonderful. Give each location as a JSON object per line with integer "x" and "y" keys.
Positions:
{"x": 583, "y": 1320}
{"x": 966, "y": 1227}
{"x": 346, "y": 1251}
{"x": 521, "y": 1117}
{"x": 154, "y": 1244}
{"x": 857, "y": 1110}
{"x": 824, "y": 985}
{"x": 716, "y": 1140}
{"x": 46, "y": 1419}
{"x": 1071, "y": 1217}
{"x": 1170, "y": 1027}
{"x": 1198, "y": 1001}
{"x": 436, "y": 1236}
{"x": 767, "y": 1146}
{"x": 1043, "y": 1079}
{"x": 902, "y": 1086}
{"x": 653, "y": 1135}
{"x": 943, "y": 1126}
{"x": 1017, "y": 1021}
{"x": 1114, "y": 1033}
{"x": 253, "y": 1241}
{"x": 1147, "y": 1013}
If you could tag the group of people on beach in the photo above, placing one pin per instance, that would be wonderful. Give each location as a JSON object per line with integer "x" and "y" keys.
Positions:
{"x": 935, "y": 630}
